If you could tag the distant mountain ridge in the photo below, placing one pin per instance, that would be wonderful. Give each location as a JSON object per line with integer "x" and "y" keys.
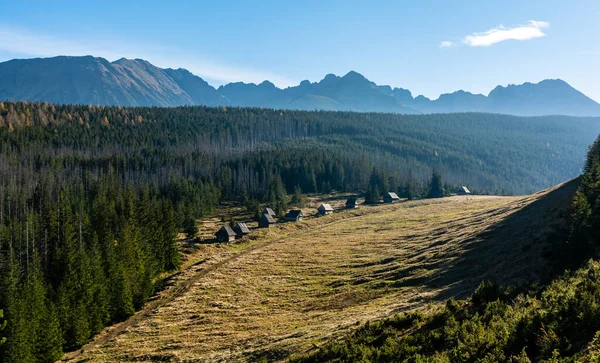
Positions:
{"x": 136, "y": 82}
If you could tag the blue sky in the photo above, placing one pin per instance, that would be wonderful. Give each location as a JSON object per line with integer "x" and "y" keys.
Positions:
{"x": 430, "y": 47}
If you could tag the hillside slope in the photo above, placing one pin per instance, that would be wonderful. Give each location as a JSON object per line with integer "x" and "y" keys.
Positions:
{"x": 303, "y": 284}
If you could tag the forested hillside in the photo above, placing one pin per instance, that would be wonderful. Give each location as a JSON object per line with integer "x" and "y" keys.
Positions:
{"x": 242, "y": 147}
{"x": 559, "y": 322}
{"x": 91, "y": 198}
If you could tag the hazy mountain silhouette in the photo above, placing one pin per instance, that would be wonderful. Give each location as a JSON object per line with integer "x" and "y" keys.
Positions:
{"x": 126, "y": 82}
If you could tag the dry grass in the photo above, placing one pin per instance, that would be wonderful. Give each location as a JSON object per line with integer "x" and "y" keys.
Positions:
{"x": 291, "y": 287}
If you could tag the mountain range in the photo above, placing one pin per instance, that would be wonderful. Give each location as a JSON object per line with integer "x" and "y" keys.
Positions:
{"x": 136, "y": 82}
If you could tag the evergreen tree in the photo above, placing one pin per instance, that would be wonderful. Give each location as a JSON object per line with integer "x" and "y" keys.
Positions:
{"x": 189, "y": 227}
{"x": 297, "y": 198}
{"x": 373, "y": 192}
{"x": 43, "y": 321}
{"x": 277, "y": 196}
{"x": 2, "y": 326}
{"x": 122, "y": 299}
{"x": 436, "y": 186}
{"x": 18, "y": 346}
{"x": 168, "y": 235}
{"x": 244, "y": 197}
{"x": 409, "y": 189}
{"x": 326, "y": 187}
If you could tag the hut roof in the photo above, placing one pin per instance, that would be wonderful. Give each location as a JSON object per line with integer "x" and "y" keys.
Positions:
{"x": 391, "y": 195}
{"x": 325, "y": 207}
{"x": 226, "y": 230}
{"x": 269, "y": 211}
{"x": 294, "y": 213}
{"x": 352, "y": 201}
{"x": 242, "y": 228}
{"x": 464, "y": 189}
{"x": 268, "y": 218}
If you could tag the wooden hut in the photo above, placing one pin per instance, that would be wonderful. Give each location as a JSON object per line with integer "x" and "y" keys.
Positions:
{"x": 463, "y": 191}
{"x": 325, "y": 209}
{"x": 294, "y": 215}
{"x": 269, "y": 211}
{"x": 266, "y": 221}
{"x": 225, "y": 234}
{"x": 391, "y": 197}
{"x": 352, "y": 203}
{"x": 241, "y": 229}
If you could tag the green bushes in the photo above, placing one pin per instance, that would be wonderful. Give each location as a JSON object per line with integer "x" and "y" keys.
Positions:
{"x": 494, "y": 325}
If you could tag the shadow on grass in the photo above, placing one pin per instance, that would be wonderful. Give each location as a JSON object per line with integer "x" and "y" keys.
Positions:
{"x": 514, "y": 251}
{"x": 520, "y": 248}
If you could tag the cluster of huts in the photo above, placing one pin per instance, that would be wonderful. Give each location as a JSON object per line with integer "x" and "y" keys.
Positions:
{"x": 267, "y": 218}
{"x": 228, "y": 234}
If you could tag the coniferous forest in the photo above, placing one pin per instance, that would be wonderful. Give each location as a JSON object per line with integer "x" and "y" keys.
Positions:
{"x": 92, "y": 198}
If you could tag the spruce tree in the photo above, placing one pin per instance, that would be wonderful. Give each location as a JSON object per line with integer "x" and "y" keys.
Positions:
{"x": 169, "y": 234}
{"x": 121, "y": 297}
{"x": 436, "y": 185}
{"x": 19, "y": 346}
{"x": 98, "y": 302}
{"x": 409, "y": 189}
{"x": 297, "y": 197}
{"x": 373, "y": 193}
{"x": 2, "y": 326}
{"x": 189, "y": 227}
{"x": 277, "y": 196}
{"x": 43, "y": 321}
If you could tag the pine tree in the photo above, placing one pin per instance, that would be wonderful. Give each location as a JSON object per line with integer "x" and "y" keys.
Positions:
{"x": 2, "y": 326}
{"x": 42, "y": 320}
{"x": 373, "y": 193}
{"x": 169, "y": 234}
{"x": 297, "y": 197}
{"x": 436, "y": 185}
{"x": 121, "y": 298}
{"x": 277, "y": 196}
{"x": 18, "y": 346}
{"x": 189, "y": 227}
{"x": 409, "y": 188}
{"x": 244, "y": 197}
{"x": 98, "y": 308}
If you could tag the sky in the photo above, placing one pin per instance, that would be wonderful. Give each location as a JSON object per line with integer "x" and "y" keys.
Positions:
{"x": 429, "y": 47}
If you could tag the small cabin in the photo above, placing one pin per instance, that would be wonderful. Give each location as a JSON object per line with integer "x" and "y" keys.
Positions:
{"x": 463, "y": 191}
{"x": 241, "y": 229}
{"x": 294, "y": 215}
{"x": 325, "y": 209}
{"x": 266, "y": 221}
{"x": 391, "y": 197}
{"x": 225, "y": 234}
{"x": 352, "y": 203}
{"x": 269, "y": 211}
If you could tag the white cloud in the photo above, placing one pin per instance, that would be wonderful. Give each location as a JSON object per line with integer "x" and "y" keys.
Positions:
{"x": 533, "y": 29}
{"x": 25, "y": 43}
